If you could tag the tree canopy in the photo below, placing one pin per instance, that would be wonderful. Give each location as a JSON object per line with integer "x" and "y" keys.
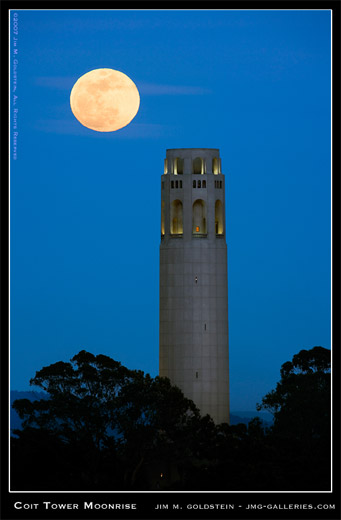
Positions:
{"x": 105, "y": 427}
{"x": 301, "y": 400}
{"x": 96, "y": 404}
{"x": 301, "y": 406}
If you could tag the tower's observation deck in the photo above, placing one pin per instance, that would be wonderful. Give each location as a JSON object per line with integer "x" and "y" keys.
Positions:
{"x": 193, "y": 279}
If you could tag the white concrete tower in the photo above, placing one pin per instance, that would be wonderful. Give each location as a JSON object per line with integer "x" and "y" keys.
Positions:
{"x": 193, "y": 279}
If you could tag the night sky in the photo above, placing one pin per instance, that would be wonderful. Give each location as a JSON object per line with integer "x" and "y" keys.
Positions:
{"x": 85, "y": 206}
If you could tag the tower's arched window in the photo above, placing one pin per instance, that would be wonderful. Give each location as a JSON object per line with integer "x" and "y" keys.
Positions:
{"x": 199, "y": 218}
{"x": 219, "y": 218}
{"x": 215, "y": 166}
{"x": 176, "y": 223}
{"x": 204, "y": 184}
{"x": 194, "y": 184}
{"x": 162, "y": 218}
{"x": 198, "y": 165}
{"x": 165, "y": 168}
{"x": 178, "y": 166}
{"x": 199, "y": 184}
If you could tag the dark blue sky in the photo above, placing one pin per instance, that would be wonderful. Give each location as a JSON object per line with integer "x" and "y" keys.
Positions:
{"x": 85, "y": 206}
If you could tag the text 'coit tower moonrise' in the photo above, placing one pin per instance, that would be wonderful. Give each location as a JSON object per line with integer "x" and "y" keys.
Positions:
{"x": 193, "y": 279}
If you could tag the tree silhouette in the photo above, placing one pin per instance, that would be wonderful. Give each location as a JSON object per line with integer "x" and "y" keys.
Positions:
{"x": 105, "y": 427}
{"x": 301, "y": 405}
{"x": 105, "y": 415}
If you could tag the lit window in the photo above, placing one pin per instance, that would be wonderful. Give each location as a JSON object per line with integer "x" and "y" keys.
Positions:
{"x": 219, "y": 218}
{"x": 199, "y": 218}
{"x": 198, "y": 165}
{"x": 176, "y": 216}
{"x": 178, "y": 166}
{"x": 215, "y": 166}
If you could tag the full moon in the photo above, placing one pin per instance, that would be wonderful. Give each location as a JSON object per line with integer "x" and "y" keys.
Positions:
{"x": 104, "y": 100}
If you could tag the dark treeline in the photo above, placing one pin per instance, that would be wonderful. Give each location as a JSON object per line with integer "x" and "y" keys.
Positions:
{"x": 104, "y": 427}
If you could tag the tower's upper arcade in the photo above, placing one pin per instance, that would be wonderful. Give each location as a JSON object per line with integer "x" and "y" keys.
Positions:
{"x": 192, "y": 195}
{"x": 188, "y": 161}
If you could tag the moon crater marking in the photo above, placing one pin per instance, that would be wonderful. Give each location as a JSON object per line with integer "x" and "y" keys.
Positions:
{"x": 104, "y": 100}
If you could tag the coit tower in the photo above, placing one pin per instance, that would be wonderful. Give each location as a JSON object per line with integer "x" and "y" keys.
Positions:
{"x": 193, "y": 279}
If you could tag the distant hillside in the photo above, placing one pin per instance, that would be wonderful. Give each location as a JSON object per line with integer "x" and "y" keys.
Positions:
{"x": 245, "y": 417}
{"x": 235, "y": 417}
{"x": 32, "y": 396}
